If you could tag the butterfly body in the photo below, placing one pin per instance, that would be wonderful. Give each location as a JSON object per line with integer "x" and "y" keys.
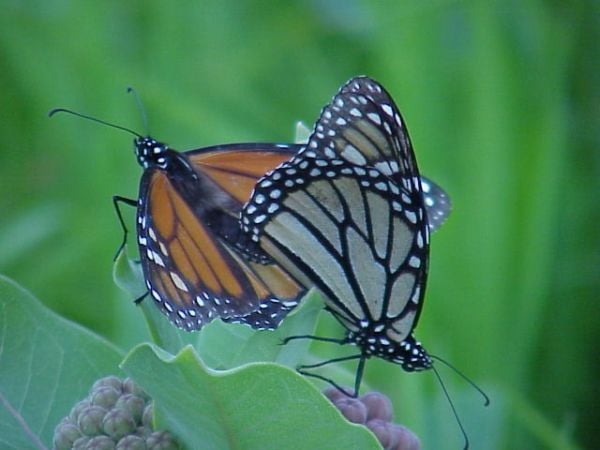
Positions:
{"x": 374, "y": 341}
{"x": 201, "y": 194}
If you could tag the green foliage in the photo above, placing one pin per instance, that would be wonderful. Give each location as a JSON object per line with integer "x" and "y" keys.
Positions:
{"x": 501, "y": 99}
{"x": 223, "y": 345}
{"x": 47, "y": 364}
{"x": 260, "y": 406}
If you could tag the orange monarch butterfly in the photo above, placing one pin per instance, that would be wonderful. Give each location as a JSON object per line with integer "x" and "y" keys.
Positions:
{"x": 188, "y": 232}
{"x": 187, "y": 227}
{"x": 351, "y": 214}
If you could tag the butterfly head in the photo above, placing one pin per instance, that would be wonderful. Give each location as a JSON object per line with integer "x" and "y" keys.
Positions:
{"x": 411, "y": 355}
{"x": 376, "y": 339}
{"x": 150, "y": 152}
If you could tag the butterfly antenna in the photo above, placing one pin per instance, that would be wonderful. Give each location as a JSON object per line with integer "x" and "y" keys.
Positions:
{"x": 93, "y": 119}
{"x": 460, "y": 425}
{"x": 486, "y": 398}
{"x": 140, "y": 105}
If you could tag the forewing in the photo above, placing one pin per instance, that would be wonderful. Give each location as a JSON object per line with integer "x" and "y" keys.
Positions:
{"x": 363, "y": 126}
{"x": 349, "y": 213}
{"x": 343, "y": 228}
{"x": 190, "y": 270}
{"x": 235, "y": 168}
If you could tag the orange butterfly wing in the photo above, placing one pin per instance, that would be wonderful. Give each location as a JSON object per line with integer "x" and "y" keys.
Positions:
{"x": 236, "y": 170}
{"x": 191, "y": 266}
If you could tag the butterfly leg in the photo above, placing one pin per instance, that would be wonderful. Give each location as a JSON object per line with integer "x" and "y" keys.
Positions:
{"x": 141, "y": 298}
{"x": 303, "y": 371}
{"x": 315, "y": 338}
{"x": 117, "y": 200}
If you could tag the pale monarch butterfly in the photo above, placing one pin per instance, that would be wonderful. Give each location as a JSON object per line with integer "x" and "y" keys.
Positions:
{"x": 348, "y": 213}
{"x": 351, "y": 214}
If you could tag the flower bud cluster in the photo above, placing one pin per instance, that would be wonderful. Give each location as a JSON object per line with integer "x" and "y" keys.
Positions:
{"x": 374, "y": 410}
{"x": 116, "y": 415}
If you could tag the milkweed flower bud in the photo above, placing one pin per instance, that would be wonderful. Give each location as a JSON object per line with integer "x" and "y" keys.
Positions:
{"x": 352, "y": 409}
{"x": 161, "y": 440}
{"x": 116, "y": 415}
{"x": 376, "y": 412}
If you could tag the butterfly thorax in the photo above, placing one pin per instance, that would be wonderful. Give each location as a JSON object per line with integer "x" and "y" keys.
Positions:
{"x": 373, "y": 341}
{"x": 152, "y": 154}
{"x": 204, "y": 198}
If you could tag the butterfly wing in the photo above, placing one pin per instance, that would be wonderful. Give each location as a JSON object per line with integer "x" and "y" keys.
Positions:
{"x": 363, "y": 126}
{"x": 235, "y": 168}
{"x": 437, "y": 203}
{"x": 348, "y": 213}
{"x": 344, "y": 230}
{"x": 186, "y": 217}
{"x": 224, "y": 168}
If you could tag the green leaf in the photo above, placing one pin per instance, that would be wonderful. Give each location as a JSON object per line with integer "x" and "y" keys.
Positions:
{"x": 128, "y": 276}
{"x": 222, "y": 345}
{"x": 47, "y": 364}
{"x": 260, "y": 406}
{"x": 226, "y": 346}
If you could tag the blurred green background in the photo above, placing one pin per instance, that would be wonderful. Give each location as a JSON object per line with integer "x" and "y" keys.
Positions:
{"x": 503, "y": 104}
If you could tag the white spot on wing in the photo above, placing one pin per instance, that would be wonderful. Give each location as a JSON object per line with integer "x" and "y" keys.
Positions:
{"x": 414, "y": 262}
{"x": 411, "y": 216}
{"x": 157, "y": 259}
{"x": 178, "y": 282}
{"x": 375, "y": 118}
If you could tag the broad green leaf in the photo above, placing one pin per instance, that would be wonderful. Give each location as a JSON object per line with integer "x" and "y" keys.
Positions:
{"x": 225, "y": 346}
{"x": 47, "y": 364}
{"x": 222, "y": 345}
{"x": 128, "y": 276}
{"x": 259, "y": 406}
